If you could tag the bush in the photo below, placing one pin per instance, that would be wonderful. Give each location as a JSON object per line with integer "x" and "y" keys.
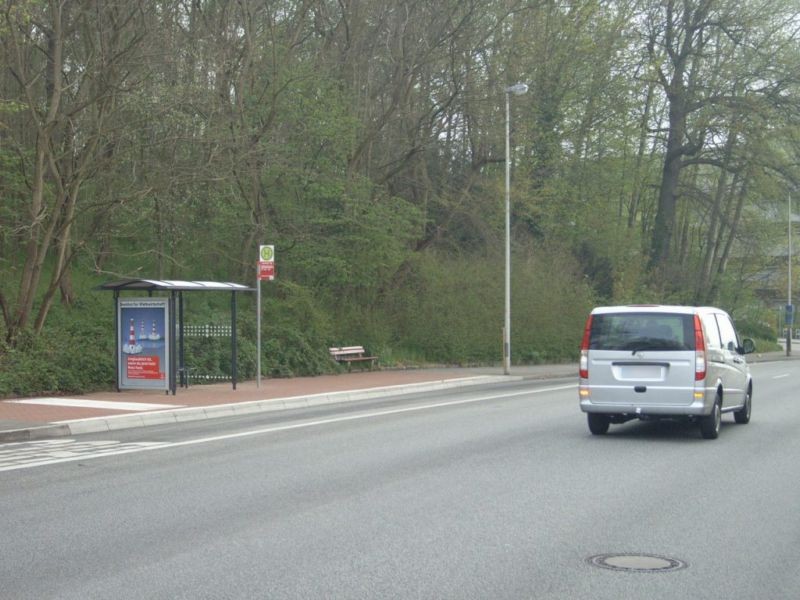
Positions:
{"x": 766, "y": 345}
{"x": 287, "y": 352}
{"x": 451, "y": 310}
{"x": 755, "y": 330}
{"x": 57, "y": 362}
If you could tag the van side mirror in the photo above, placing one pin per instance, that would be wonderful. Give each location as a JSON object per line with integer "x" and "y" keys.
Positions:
{"x": 748, "y": 346}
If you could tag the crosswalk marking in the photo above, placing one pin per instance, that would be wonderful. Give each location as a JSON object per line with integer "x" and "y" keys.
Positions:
{"x": 22, "y": 455}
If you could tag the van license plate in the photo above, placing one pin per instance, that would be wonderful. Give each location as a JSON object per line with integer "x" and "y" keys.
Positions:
{"x": 639, "y": 372}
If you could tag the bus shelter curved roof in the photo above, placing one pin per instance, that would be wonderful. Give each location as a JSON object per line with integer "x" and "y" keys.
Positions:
{"x": 174, "y": 285}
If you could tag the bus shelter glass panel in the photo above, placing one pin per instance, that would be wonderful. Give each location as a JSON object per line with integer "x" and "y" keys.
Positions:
{"x": 144, "y": 343}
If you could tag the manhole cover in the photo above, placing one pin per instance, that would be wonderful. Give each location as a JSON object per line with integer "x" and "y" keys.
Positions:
{"x": 641, "y": 563}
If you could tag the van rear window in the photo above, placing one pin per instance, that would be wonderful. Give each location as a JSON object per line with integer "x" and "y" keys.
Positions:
{"x": 642, "y": 331}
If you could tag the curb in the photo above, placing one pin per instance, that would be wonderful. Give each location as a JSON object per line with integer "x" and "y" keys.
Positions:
{"x": 771, "y": 357}
{"x": 198, "y": 413}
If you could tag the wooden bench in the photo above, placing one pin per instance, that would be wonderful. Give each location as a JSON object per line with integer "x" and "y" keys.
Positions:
{"x": 350, "y": 354}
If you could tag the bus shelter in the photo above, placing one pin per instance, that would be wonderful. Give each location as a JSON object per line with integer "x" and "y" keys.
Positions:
{"x": 149, "y": 331}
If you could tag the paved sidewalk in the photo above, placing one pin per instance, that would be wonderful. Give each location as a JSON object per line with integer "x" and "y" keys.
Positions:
{"x": 23, "y": 419}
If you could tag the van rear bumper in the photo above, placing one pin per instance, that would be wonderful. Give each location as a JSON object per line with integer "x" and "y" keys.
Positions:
{"x": 697, "y": 407}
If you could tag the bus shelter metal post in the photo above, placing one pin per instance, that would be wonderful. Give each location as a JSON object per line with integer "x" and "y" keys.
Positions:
{"x": 184, "y": 380}
{"x": 172, "y": 358}
{"x": 116, "y": 340}
{"x": 233, "y": 338}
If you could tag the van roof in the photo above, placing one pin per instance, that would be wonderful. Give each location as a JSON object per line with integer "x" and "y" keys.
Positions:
{"x": 655, "y": 308}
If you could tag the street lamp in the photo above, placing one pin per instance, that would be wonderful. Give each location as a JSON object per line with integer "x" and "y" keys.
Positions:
{"x": 517, "y": 89}
{"x": 789, "y": 307}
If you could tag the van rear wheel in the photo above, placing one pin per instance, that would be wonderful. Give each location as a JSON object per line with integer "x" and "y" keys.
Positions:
{"x": 709, "y": 426}
{"x": 598, "y": 424}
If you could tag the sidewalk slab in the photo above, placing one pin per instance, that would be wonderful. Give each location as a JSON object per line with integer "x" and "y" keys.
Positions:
{"x": 29, "y": 419}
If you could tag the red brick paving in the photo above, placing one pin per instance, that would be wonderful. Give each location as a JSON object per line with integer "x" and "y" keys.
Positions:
{"x": 14, "y": 415}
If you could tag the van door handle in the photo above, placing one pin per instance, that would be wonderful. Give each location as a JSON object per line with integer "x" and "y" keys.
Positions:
{"x": 738, "y": 360}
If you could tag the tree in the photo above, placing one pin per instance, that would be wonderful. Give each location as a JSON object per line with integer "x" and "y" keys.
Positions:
{"x": 706, "y": 56}
{"x": 69, "y": 63}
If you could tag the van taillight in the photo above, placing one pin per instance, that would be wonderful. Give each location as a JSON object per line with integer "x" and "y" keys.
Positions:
{"x": 699, "y": 351}
{"x": 584, "y": 364}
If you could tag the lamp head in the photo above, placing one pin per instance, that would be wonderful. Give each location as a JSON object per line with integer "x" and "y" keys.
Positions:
{"x": 517, "y": 89}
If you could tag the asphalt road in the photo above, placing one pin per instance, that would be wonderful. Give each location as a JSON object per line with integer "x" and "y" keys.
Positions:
{"x": 497, "y": 492}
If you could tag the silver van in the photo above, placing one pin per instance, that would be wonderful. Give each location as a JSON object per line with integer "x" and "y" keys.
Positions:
{"x": 652, "y": 362}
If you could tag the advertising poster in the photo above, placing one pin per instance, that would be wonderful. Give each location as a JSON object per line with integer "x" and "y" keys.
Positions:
{"x": 143, "y": 343}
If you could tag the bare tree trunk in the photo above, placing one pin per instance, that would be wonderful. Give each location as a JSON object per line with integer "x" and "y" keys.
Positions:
{"x": 733, "y": 229}
{"x": 638, "y": 177}
{"x": 715, "y": 229}
{"x": 39, "y": 237}
{"x": 62, "y": 260}
{"x": 668, "y": 193}
{"x": 683, "y": 39}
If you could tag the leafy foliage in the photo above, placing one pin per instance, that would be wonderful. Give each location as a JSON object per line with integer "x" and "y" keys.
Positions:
{"x": 366, "y": 142}
{"x": 74, "y": 354}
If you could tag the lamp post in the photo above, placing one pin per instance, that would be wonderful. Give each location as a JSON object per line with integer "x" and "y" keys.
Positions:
{"x": 517, "y": 89}
{"x": 789, "y": 307}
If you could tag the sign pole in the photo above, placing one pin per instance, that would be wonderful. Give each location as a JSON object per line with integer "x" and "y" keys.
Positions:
{"x": 265, "y": 269}
{"x": 258, "y": 332}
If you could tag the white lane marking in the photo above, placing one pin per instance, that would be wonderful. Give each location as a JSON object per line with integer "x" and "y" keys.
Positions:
{"x": 104, "y": 404}
{"x": 146, "y": 446}
{"x": 380, "y": 413}
{"x": 781, "y": 376}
